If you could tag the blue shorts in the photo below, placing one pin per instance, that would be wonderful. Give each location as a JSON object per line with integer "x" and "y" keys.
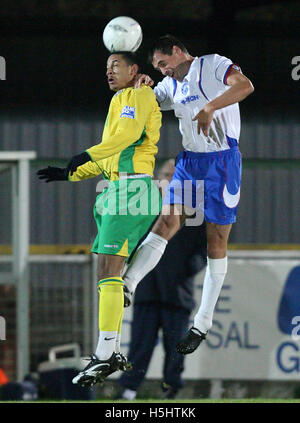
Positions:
{"x": 208, "y": 183}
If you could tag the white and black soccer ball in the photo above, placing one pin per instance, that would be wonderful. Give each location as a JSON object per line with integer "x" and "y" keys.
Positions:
{"x": 122, "y": 34}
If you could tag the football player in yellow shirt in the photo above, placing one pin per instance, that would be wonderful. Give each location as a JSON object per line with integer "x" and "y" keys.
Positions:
{"x": 126, "y": 209}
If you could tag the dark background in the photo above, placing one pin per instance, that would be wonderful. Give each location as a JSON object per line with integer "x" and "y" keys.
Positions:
{"x": 56, "y": 96}
{"x": 54, "y": 102}
{"x": 56, "y": 59}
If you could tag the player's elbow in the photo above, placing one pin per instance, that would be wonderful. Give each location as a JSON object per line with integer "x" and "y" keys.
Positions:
{"x": 248, "y": 87}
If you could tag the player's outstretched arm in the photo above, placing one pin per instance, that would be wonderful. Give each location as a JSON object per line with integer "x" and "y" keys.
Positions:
{"x": 50, "y": 174}
{"x": 85, "y": 171}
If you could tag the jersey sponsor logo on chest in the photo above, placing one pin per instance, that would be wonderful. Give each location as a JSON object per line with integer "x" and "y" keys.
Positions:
{"x": 189, "y": 99}
{"x": 181, "y": 94}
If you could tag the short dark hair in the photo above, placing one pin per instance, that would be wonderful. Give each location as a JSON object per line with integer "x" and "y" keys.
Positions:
{"x": 129, "y": 57}
{"x": 165, "y": 44}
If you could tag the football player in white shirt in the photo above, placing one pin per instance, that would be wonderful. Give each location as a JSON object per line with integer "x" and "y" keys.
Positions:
{"x": 204, "y": 93}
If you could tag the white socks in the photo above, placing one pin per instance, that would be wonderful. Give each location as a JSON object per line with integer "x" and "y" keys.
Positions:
{"x": 106, "y": 344}
{"x": 215, "y": 274}
{"x": 145, "y": 259}
{"x": 118, "y": 343}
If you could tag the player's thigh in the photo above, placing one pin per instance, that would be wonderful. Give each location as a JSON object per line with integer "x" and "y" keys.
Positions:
{"x": 171, "y": 219}
{"x": 182, "y": 197}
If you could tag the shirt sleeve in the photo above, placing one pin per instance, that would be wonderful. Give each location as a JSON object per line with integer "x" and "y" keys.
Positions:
{"x": 163, "y": 95}
{"x": 86, "y": 171}
{"x": 223, "y": 66}
{"x": 135, "y": 109}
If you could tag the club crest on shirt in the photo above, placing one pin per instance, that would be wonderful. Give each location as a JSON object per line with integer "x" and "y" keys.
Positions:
{"x": 128, "y": 112}
{"x": 185, "y": 88}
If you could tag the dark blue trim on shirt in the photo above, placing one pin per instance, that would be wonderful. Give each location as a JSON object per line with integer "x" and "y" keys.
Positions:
{"x": 227, "y": 73}
{"x": 174, "y": 86}
{"x": 200, "y": 80}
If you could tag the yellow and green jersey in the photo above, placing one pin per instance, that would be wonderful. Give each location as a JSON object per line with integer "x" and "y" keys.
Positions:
{"x": 129, "y": 138}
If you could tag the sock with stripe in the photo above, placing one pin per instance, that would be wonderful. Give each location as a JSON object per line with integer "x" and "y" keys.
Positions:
{"x": 111, "y": 307}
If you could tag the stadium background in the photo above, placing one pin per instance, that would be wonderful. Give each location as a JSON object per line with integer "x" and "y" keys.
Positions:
{"x": 54, "y": 101}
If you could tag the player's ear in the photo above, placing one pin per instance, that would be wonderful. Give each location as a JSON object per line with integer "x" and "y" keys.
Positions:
{"x": 176, "y": 50}
{"x": 134, "y": 69}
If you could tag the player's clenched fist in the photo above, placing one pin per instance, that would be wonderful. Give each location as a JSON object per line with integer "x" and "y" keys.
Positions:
{"x": 204, "y": 118}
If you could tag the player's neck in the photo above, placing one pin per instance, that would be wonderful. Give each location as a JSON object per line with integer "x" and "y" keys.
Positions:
{"x": 129, "y": 85}
{"x": 183, "y": 68}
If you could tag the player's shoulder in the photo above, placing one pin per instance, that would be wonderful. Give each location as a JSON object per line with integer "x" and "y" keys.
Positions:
{"x": 144, "y": 91}
{"x": 210, "y": 56}
{"x": 136, "y": 97}
{"x": 213, "y": 59}
{"x": 119, "y": 93}
{"x": 144, "y": 94}
{"x": 167, "y": 81}
{"x": 123, "y": 96}
{"x": 166, "y": 84}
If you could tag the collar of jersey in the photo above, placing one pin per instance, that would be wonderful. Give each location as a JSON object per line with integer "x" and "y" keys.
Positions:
{"x": 121, "y": 90}
{"x": 187, "y": 76}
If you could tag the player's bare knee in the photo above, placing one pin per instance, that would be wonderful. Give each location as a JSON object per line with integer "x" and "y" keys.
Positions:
{"x": 217, "y": 247}
{"x": 109, "y": 266}
{"x": 215, "y": 252}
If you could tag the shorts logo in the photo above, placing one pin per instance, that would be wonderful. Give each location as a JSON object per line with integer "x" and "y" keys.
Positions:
{"x": 111, "y": 246}
{"x": 128, "y": 112}
{"x": 231, "y": 200}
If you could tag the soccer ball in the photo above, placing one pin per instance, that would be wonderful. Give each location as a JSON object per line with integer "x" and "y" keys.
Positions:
{"x": 122, "y": 34}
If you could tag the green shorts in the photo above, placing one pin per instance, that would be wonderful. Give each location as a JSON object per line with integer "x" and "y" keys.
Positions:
{"x": 124, "y": 212}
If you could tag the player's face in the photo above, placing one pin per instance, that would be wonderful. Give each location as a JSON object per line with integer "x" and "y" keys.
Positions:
{"x": 169, "y": 65}
{"x": 119, "y": 73}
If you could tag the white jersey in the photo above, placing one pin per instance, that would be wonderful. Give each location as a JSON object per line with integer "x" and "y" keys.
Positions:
{"x": 205, "y": 81}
